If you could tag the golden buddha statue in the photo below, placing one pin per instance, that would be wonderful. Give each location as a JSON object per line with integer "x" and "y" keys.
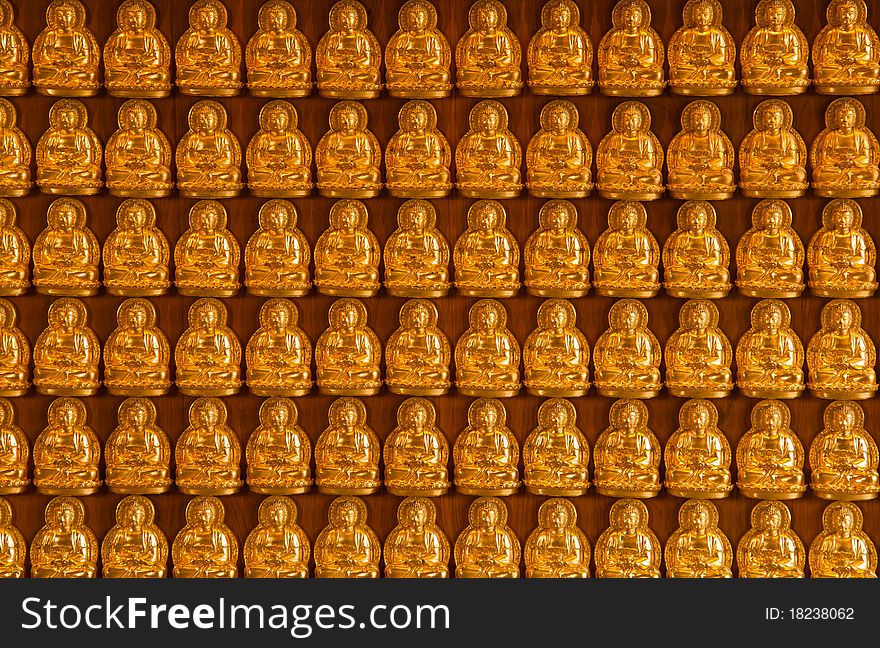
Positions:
{"x": 698, "y": 354}
{"x": 628, "y": 548}
{"x": 13, "y": 546}
{"x": 627, "y": 454}
{"x": 696, "y": 257}
{"x": 770, "y": 457}
{"x": 627, "y": 355}
{"x": 208, "y": 156}
{"x": 278, "y": 56}
{"x": 770, "y": 255}
{"x": 418, "y": 353}
{"x": 841, "y": 356}
{"x": 626, "y": 256}
{"x": 348, "y": 156}
{"x": 417, "y": 546}
{"x": 66, "y": 53}
{"x": 206, "y": 256}
{"x": 277, "y": 547}
{"x": 137, "y": 57}
{"x": 630, "y": 157}
{"x": 137, "y": 453}
{"x": 557, "y": 254}
{"x": 65, "y": 547}
{"x": 347, "y": 452}
{"x": 67, "y": 452}
{"x": 418, "y": 56}
{"x": 69, "y": 153}
{"x": 770, "y": 548}
{"x": 774, "y": 53}
{"x": 137, "y": 354}
{"x": 488, "y": 157}
{"x": 135, "y": 547}
{"x": 488, "y": 56}
{"x": 347, "y": 547}
{"x": 701, "y": 155}
{"x": 486, "y": 453}
{"x": 844, "y": 456}
{"x": 416, "y": 452}
{"x": 556, "y": 355}
{"x": 349, "y": 56}
{"x": 845, "y": 156}
{"x": 556, "y": 452}
{"x": 207, "y": 356}
{"x": 846, "y": 52}
{"x": 347, "y": 253}
{"x": 348, "y": 352}
{"x": 136, "y": 253}
{"x": 15, "y": 149}
{"x": 138, "y": 154}
{"x": 15, "y": 76}
{"x": 208, "y": 451}
{"x": 486, "y": 255}
{"x": 416, "y": 254}
{"x": 15, "y": 354}
{"x": 15, "y": 252}
{"x": 559, "y": 156}
{"x": 487, "y": 547}
{"x": 417, "y": 156}
{"x": 560, "y": 54}
{"x": 277, "y": 255}
{"x": 702, "y": 52}
{"x": 67, "y": 253}
{"x": 14, "y": 454}
{"x": 773, "y": 156}
{"x": 843, "y": 549}
{"x": 487, "y": 355}
{"x": 208, "y": 54}
{"x": 557, "y": 548}
{"x": 770, "y": 355}
{"x": 697, "y": 455}
{"x": 841, "y": 255}
{"x": 205, "y": 547}
{"x": 698, "y": 548}
{"x": 631, "y": 53}
{"x": 279, "y": 353}
{"x": 67, "y": 353}
{"x": 278, "y": 451}
{"x": 279, "y": 156}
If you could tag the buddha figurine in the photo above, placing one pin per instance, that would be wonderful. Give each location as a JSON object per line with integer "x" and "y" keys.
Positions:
{"x": 137, "y": 453}
{"x": 15, "y": 53}
{"x": 13, "y": 546}
{"x": 626, "y": 255}
{"x": 844, "y": 157}
{"x": 208, "y": 156}
{"x": 418, "y": 56}
{"x": 846, "y": 52}
{"x": 486, "y": 453}
{"x": 487, "y": 355}
{"x": 487, "y": 547}
{"x": 15, "y": 354}
{"x": 770, "y": 457}
{"x": 488, "y": 157}
{"x": 15, "y": 149}
{"x": 630, "y": 157}
{"x": 488, "y": 56}
{"x": 138, "y": 154}
{"x": 627, "y": 355}
{"x": 66, "y": 53}
{"x": 208, "y": 54}
{"x": 843, "y": 549}
{"x": 774, "y": 53}
{"x": 416, "y": 254}
{"x": 69, "y": 153}
{"x": 486, "y": 255}
{"x": 348, "y": 156}
{"x": 559, "y": 156}
{"x": 14, "y": 454}
{"x": 841, "y": 355}
{"x": 843, "y": 456}
{"x": 205, "y": 547}
{"x": 349, "y": 56}
{"x": 841, "y": 255}
{"x": 278, "y": 451}
{"x": 137, "y": 354}
{"x": 67, "y": 253}
{"x": 279, "y": 156}
{"x": 556, "y": 452}
{"x": 347, "y": 452}
{"x": 416, "y": 452}
{"x": 417, "y": 355}
{"x": 698, "y": 354}
{"x": 557, "y": 548}
{"x": 15, "y": 253}
{"x": 696, "y": 257}
{"x": 277, "y": 547}
{"x": 208, "y": 451}
{"x": 701, "y": 155}
{"x": 556, "y": 355}
{"x": 347, "y": 547}
{"x": 627, "y": 454}
{"x": 417, "y": 546}
{"x": 418, "y": 155}
{"x": 207, "y": 356}
{"x": 773, "y": 156}
{"x": 137, "y": 57}
{"x": 770, "y": 548}
{"x": 279, "y": 353}
{"x": 206, "y": 256}
{"x": 67, "y": 353}
{"x": 770, "y": 355}
{"x": 136, "y": 253}
{"x": 135, "y": 547}
{"x": 278, "y": 56}
{"x": 698, "y": 548}
{"x": 67, "y": 452}
{"x": 347, "y": 253}
{"x": 560, "y": 54}
{"x": 770, "y": 255}
{"x": 628, "y": 548}
{"x": 557, "y": 254}
{"x": 348, "y": 352}
{"x": 631, "y": 53}
{"x": 702, "y": 52}
{"x": 277, "y": 255}
{"x": 697, "y": 455}
{"x": 65, "y": 547}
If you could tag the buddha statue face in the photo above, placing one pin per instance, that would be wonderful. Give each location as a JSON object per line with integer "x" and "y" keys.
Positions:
{"x": 557, "y": 215}
{"x": 847, "y": 14}
{"x": 416, "y": 317}
{"x": 276, "y": 120}
{"x": 488, "y": 217}
{"x": 132, "y": 16}
{"x": 137, "y": 415}
{"x": 350, "y": 318}
{"x": 65, "y": 416}
{"x": 841, "y": 318}
{"x": 842, "y": 217}
{"x": 699, "y": 519}
{"x": 558, "y": 416}
{"x": 136, "y": 317}
{"x": 132, "y": 215}
{"x": 697, "y": 218}
{"x": 631, "y": 120}
{"x": 415, "y": 18}
{"x": 842, "y": 521}
{"x": 630, "y": 418}
{"x": 559, "y": 17}
{"x": 629, "y": 520}
{"x": 486, "y": 416}
{"x": 204, "y": 516}
{"x": 205, "y": 18}
{"x": 698, "y": 316}
{"x": 487, "y": 17}
{"x": 773, "y": 118}
{"x": 701, "y": 120}
{"x": 207, "y": 415}
{"x": 770, "y": 419}
{"x": 346, "y": 415}
{"x": 703, "y": 15}
{"x": 697, "y": 417}
{"x": 348, "y": 18}
{"x": 68, "y": 118}
{"x": 771, "y": 520}
{"x": 134, "y": 117}
{"x": 555, "y": 316}
{"x": 628, "y": 318}
{"x": 7, "y": 114}
{"x": 205, "y": 218}
{"x": 206, "y": 120}
{"x": 346, "y": 120}
{"x": 278, "y": 515}
{"x": 845, "y": 419}
{"x": 276, "y": 215}
{"x": 134, "y": 517}
{"x": 487, "y": 320}
{"x": 64, "y": 16}
{"x": 417, "y": 515}
{"x": 344, "y": 515}
{"x": 208, "y": 317}
{"x": 69, "y": 318}
{"x": 628, "y": 218}
{"x": 488, "y": 120}
{"x": 413, "y": 216}
{"x": 277, "y": 317}
{"x": 415, "y": 119}
{"x": 61, "y": 517}
{"x": 274, "y": 19}
{"x": 62, "y": 215}
{"x": 558, "y": 518}
{"x": 558, "y": 119}
{"x": 844, "y": 117}
{"x": 487, "y": 518}
{"x": 416, "y": 416}
{"x": 277, "y": 416}
{"x": 777, "y": 14}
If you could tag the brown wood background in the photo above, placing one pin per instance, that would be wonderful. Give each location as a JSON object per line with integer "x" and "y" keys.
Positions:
{"x": 595, "y": 111}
